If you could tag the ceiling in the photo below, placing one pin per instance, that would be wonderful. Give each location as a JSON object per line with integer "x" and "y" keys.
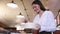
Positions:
{"x": 8, "y": 15}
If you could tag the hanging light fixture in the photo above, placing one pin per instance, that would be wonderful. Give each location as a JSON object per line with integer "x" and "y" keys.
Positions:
{"x": 12, "y": 4}
{"x": 20, "y": 16}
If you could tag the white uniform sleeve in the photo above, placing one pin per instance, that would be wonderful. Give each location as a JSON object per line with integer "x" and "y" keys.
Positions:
{"x": 49, "y": 21}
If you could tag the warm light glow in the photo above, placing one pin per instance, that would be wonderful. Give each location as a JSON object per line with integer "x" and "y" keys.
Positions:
{"x": 18, "y": 27}
{"x": 20, "y": 16}
{"x": 12, "y": 5}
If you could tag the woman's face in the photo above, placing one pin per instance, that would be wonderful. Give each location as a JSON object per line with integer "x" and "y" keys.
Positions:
{"x": 36, "y": 8}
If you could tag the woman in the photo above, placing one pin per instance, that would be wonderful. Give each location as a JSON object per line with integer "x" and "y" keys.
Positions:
{"x": 44, "y": 19}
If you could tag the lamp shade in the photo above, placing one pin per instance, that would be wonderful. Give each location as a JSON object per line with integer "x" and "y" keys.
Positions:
{"x": 12, "y": 5}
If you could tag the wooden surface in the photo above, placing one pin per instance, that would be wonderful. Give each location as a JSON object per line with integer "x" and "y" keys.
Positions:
{"x": 35, "y": 32}
{"x": 3, "y": 25}
{"x": 57, "y": 32}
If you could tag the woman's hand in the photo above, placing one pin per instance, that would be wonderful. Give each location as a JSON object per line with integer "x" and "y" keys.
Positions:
{"x": 37, "y": 27}
{"x": 36, "y": 30}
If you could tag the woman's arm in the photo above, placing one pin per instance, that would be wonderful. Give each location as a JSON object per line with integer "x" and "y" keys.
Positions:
{"x": 36, "y": 30}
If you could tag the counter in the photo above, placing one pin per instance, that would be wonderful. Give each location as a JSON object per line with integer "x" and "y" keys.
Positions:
{"x": 56, "y": 32}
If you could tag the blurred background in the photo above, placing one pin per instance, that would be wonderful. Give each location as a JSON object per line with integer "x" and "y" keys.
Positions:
{"x": 12, "y": 15}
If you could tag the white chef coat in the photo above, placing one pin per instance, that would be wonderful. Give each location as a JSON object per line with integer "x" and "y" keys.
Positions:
{"x": 46, "y": 21}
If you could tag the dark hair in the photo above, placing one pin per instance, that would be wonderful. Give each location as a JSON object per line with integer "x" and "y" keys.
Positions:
{"x": 40, "y": 4}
